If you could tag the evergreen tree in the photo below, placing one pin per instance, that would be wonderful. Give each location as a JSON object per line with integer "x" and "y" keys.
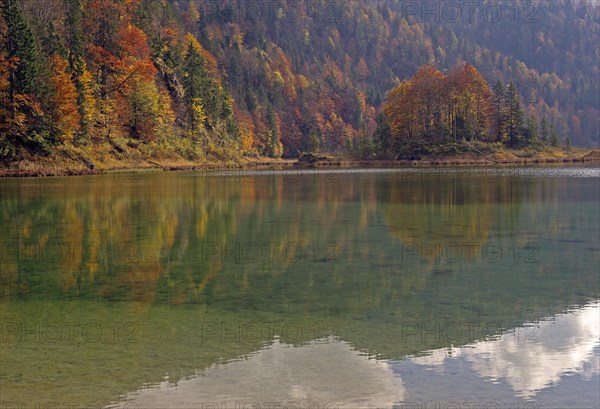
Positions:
{"x": 195, "y": 82}
{"x": 226, "y": 113}
{"x": 314, "y": 141}
{"x": 275, "y": 148}
{"x": 20, "y": 43}
{"x": 554, "y": 141}
{"x": 77, "y": 65}
{"x": 545, "y": 130}
{"x": 198, "y": 83}
{"x": 382, "y": 134}
{"x": 531, "y": 133}
{"x": 28, "y": 126}
{"x": 52, "y": 43}
{"x": 75, "y": 42}
{"x": 514, "y": 115}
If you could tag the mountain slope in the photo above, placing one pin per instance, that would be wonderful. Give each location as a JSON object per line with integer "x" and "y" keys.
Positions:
{"x": 199, "y": 78}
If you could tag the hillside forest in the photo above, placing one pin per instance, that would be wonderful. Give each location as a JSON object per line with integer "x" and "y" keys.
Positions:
{"x": 219, "y": 79}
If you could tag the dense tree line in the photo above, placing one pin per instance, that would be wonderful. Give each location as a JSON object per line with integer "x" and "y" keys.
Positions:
{"x": 459, "y": 107}
{"x": 197, "y": 77}
{"x": 61, "y": 87}
{"x": 324, "y": 67}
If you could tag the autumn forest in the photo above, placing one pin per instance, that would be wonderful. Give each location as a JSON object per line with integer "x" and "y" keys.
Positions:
{"x": 217, "y": 80}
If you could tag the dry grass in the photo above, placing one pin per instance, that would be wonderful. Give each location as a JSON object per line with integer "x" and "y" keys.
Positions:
{"x": 103, "y": 158}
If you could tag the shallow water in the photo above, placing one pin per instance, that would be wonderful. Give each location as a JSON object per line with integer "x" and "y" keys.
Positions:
{"x": 426, "y": 288}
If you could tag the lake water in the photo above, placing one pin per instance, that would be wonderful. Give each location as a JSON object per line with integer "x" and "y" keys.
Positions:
{"x": 437, "y": 288}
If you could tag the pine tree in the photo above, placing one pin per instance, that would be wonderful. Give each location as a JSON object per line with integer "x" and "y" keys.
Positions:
{"x": 275, "y": 148}
{"x": 20, "y": 43}
{"x": 227, "y": 114}
{"x": 499, "y": 111}
{"x": 382, "y": 135}
{"x": 198, "y": 83}
{"x": 77, "y": 66}
{"x": 531, "y": 134}
{"x": 545, "y": 130}
{"x": 75, "y": 42}
{"x": 27, "y": 124}
{"x": 195, "y": 81}
{"x": 554, "y": 141}
{"x": 514, "y": 115}
{"x": 7, "y": 117}
{"x": 52, "y": 43}
{"x": 314, "y": 141}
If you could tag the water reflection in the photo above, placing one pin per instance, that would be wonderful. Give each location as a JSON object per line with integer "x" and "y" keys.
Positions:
{"x": 331, "y": 373}
{"x": 530, "y": 358}
{"x": 365, "y": 254}
{"x": 325, "y": 373}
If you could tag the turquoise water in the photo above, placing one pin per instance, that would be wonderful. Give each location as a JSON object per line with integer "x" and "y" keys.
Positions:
{"x": 424, "y": 288}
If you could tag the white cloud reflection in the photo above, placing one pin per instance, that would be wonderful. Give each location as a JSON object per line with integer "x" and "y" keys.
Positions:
{"x": 331, "y": 374}
{"x": 327, "y": 374}
{"x": 534, "y": 356}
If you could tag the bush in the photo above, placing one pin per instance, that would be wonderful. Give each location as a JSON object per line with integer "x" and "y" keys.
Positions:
{"x": 38, "y": 143}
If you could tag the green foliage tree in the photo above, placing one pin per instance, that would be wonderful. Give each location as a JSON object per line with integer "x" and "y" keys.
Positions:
{"x": 75, "y": 42}
{"x": 275, "y": 148}
{"x": 52, "y": 43}
{"x": 382, "y": 135}
{"x": 545, "y": 130}
{"x": 514, "y": 116}
{"x": 195, "y": 83}
{"x": 314, "y": 141}
{"x": 499, "y": 94}
{"x": 531, "y": 132}
{"x": 28, "y": 126}
{"x": 199, "y": 83}
{"x": 554, "y": 140}
{"x": 20, "y": 45}
{"x": 143, "y": 101}
{"x": 77, "y": 65}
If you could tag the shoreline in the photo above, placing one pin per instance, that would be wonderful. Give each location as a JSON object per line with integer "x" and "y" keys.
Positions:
{"x": 47, "y": 168}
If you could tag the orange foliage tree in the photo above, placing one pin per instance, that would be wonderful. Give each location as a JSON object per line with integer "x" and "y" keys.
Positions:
{"x": 438, "y": 108}
{"x": 62, "y": 107}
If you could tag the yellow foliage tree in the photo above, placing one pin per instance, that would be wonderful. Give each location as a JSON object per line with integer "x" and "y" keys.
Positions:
{"x": 63, "y": 101}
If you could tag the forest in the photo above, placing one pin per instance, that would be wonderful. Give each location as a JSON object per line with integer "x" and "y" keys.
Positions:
{"x": 199, "y": 79}
{"x": 433, "y": 109}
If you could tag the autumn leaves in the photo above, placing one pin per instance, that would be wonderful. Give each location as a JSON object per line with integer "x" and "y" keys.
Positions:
{"x": 438, "y": 108}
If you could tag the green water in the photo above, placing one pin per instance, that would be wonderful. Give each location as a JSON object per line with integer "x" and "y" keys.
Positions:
{"x": 121, "y": 283}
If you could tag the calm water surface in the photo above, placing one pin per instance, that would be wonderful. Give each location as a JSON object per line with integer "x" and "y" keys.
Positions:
{"x": 407, "y": 288}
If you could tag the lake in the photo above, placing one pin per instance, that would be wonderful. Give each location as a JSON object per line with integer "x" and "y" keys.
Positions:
{"x": 409, "y": 288}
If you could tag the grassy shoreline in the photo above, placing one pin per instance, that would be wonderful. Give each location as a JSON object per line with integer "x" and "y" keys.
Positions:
{"x": 60, "y": 166}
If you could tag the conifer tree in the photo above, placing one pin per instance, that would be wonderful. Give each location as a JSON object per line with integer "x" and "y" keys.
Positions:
{"x": 20, "y": 43}
{"x": 195, "y": 82}
{"x": 554, "y": 141}
{"x": 382, "y": 134}
{"x": 531, "y": 134}
{"x": 514, "y": 115}
{"x": 544, "y": 130}
{"x": 75, "y": 42}
{"x": 78, "y": 68}
{"x": 498, "y": 100}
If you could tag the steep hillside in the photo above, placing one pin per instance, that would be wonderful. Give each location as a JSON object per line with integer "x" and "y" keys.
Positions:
{"x": 211, "y": 79}
{"x": 325, "y": 66}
